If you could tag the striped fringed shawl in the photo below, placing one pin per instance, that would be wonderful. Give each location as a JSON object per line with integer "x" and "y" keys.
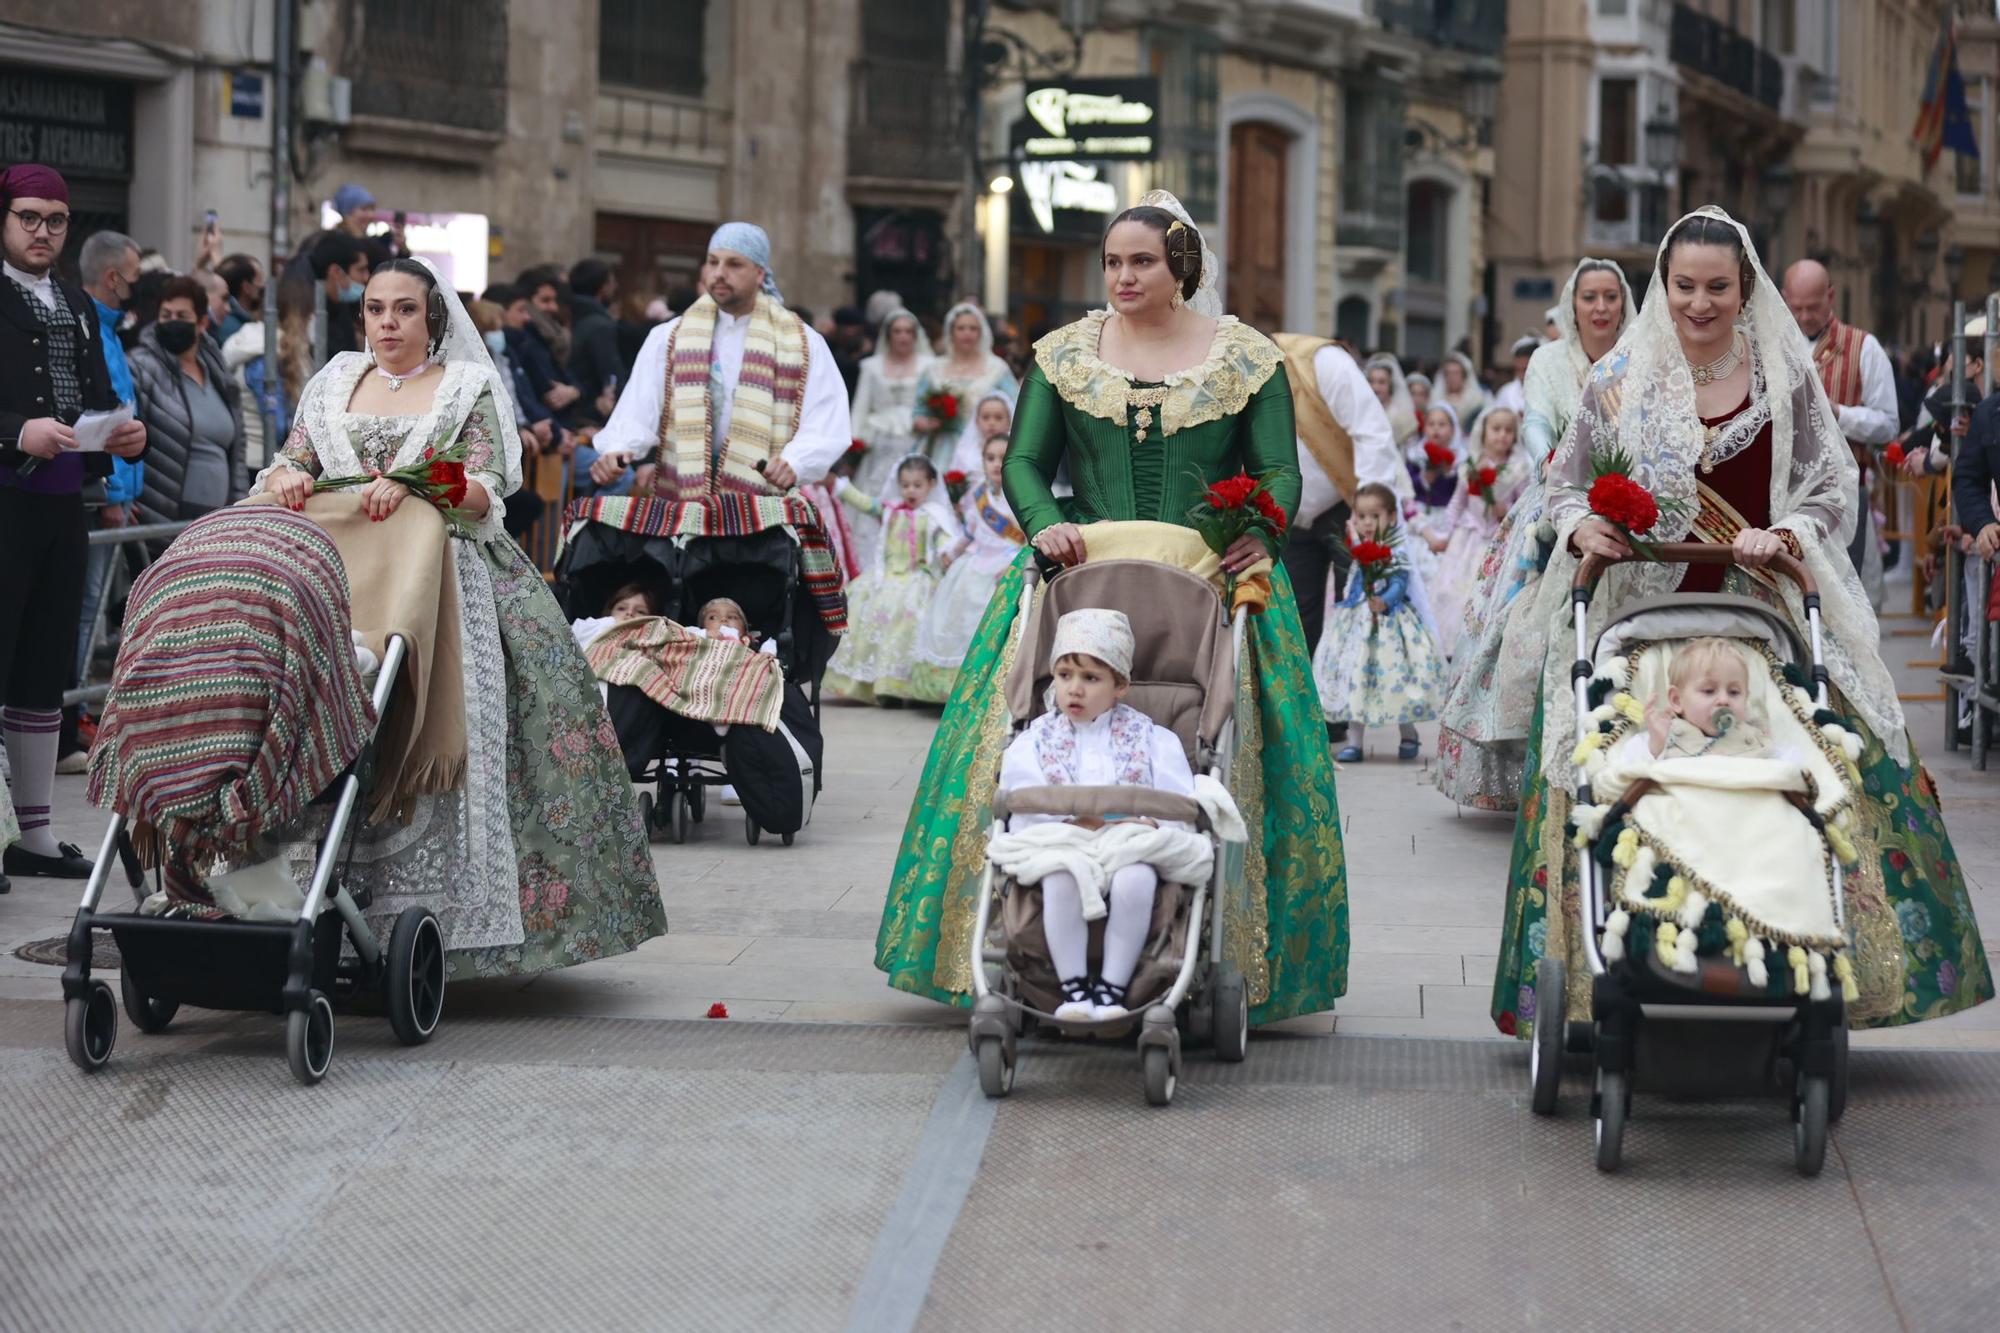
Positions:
{"x": 733, "y": 515}
{"x": 235, "y": 699}
{"x": 764, "y": 408}
{"x": 708, "y": 680}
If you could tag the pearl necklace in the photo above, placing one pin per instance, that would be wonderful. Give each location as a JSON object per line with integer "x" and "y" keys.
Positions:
{"x": 396, "y": 381}
{"x": 1722, "y": 367}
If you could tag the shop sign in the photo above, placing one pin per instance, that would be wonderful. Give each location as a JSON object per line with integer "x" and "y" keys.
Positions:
{"x": 81, "y": 127}
{"x": 1103, "y": 120}
{"x": 1072, "y": 188}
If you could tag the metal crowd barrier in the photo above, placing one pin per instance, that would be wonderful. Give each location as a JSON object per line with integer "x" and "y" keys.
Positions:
{"x": 1977, "y": 692}
{"x": 140, "y": 532}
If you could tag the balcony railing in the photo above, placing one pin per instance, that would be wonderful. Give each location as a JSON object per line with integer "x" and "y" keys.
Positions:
{"x": 1369, "y": 230}
{"x": 1704, "y": 44}
{"x": 1478, "y": 26}
{"x": 438, "y": 62}
{"x": 641, "y": 122}
{"x": 904, "y": 122}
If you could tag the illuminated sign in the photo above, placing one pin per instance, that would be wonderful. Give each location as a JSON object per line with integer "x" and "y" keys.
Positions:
{"x": 1073, "y": 187}
{"x": 1105, "y": 120}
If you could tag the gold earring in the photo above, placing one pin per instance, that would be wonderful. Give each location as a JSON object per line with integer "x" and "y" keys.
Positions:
{"x": 1178, "y": 299}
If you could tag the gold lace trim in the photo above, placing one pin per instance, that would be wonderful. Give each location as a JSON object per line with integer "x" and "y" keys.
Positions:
{"x": 1239, "y": 361}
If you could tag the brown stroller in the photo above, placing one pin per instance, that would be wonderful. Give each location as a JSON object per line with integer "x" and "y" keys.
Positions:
{"x": 1184, "y": 677}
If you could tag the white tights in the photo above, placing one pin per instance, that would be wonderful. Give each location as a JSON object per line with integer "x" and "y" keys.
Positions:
{"x": 1125, "y": 925}
{"x": 1357, "y": 733}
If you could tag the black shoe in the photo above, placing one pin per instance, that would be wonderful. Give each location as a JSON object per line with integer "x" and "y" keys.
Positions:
{"x": 18, "y": 860}
{"x": 5, "y": 884}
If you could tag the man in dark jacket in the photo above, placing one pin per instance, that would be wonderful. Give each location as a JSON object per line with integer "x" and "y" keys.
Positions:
{"x": 594, "y": 361}
{"x": 51, "y": 372}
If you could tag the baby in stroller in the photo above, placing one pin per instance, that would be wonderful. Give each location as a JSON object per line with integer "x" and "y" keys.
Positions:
{"x": 1091, "y": 736}
{"x": 1708, "y": 686}
{"x": 724, "y": 618}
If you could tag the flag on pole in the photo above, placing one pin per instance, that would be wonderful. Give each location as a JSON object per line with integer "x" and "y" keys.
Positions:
{"x": 1943, "y": 120}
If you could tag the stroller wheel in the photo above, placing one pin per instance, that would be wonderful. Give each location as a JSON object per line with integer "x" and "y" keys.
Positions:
{"x": 697, "y": 801}
{"x": 90, "y": 1027}
{"x": 1545, "y": 1055}
{"x": 1230, "y": 1016}
{"x": 750, "y": 831}
{"x": 1614, "y": 1100}
{"x": 1809, "y": 1119}
{"x": 646, "y": 814}
{"x": 1160, "y": 1068}
{"x": 147, "y": 1014}
{"x": 788, "y": 838}
{"x": 996, "y": 1067}
{"x": 413, "y": 985}
{"x": 683, "y": 812}
{"x": 309, "y": 1039}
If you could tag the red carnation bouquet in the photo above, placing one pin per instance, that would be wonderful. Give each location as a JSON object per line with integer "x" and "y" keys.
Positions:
{"x": 943, "y": 406}
{"x": 1622, "y": 502}
{"x": 437, "y": 478}
{"x": 1893, "y": 455}
{"x": 1482, "y": 483}
{"x": 1233, "y": 507}
{"x": 1438, "y": 456}
{"x": 857, "y": 447}
{"x": 954, "y": 484}
{"x": 1375, "y": 561}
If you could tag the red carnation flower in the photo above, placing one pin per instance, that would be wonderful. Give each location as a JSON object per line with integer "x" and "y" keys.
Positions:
{"x": 857, "y": 446}
{"x": 717, "y": 1010}
{"x": 1621, "y": 500}
{"x": 1893, "y": 455}
{"x": 1370, "y": 553}
{"x": 1487, "y": 476}
{"x": 1507, "y": 1023}
{"x": 954, "y": 478}
{"x": 1273, "y": 513}
{"x": 1231, "y": 492}
{"x": 1438, "y": 455}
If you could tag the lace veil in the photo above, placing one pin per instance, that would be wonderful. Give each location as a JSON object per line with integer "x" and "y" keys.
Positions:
{"x": 1401, "y": 407}
{"x": 1207, "y": 298}
{"x": 1641, "y": 398}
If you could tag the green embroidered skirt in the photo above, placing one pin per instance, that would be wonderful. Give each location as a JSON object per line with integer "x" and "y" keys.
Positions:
{"x": 1288, "y": 931}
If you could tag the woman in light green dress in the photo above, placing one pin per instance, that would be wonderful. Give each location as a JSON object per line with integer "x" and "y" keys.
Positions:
{"x": 1144, "y": 448}
{"x": 538, "y": 860}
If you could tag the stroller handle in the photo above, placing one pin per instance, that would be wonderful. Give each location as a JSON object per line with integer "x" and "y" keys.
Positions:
{"x": 1592, "y": 567}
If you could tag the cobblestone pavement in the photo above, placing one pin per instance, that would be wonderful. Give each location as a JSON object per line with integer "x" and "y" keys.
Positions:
{"x": 569, "y": 1152}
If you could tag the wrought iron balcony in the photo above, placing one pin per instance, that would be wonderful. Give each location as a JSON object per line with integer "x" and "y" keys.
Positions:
{"x": 904, "y": 119}
{"x": 1478, "y": 26}
{"x": 436, "y": 62}
{"x": 1709, "y": 46}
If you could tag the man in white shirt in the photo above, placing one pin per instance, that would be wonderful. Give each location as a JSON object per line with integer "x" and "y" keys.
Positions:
{"x": 774, "y": 418}
{"x": 1861, "y": 384}
{"x": 1344, "y": 442}
{"x": 1513, "y": 395}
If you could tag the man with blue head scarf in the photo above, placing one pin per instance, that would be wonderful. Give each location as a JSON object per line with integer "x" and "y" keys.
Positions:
{"x": 737, "y": 394}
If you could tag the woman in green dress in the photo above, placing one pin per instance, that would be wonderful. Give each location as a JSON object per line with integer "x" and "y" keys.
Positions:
{"x": 1147, "y": 404}
{"x": 1713, "y": 398}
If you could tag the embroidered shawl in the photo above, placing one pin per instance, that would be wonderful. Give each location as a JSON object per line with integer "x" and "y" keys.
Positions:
{"x": 769, "y": 394}
{"x": 1131, "y": 747}
{"x": 1837, "y": 357}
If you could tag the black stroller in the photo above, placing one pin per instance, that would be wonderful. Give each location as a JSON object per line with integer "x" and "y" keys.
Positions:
{"x": 293, "y": 967}
{"x": 776, "y": 774}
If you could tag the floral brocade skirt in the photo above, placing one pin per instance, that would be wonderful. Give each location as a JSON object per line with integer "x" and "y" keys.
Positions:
{"x": 1378, "y": 669}
{"x": 1286, "y": 930}
{"x": 877, "y": 658}
{"x": 1916, "y": 950}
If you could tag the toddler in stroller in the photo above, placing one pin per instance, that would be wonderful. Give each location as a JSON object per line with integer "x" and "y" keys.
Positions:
{"x": 1113, "y": 835}
{"x": 1092, "y": 736}
{"x": 1711, "y": 854}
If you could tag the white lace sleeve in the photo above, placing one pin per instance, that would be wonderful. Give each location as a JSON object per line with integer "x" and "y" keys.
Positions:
{"x": 1824, "y": 481}
{"x": 1594, "y": 428}
{"x": 297, "y": 455}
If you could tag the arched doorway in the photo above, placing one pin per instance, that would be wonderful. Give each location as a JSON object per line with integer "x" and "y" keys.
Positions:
{"x": 1258, "y": 196}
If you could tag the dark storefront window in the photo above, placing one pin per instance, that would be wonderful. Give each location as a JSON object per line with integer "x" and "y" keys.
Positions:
{"x": 83, "y": 128}
{"x": 901, "y": 250}
{"x": 435, "y": 62}
{"x": 657, "y": 45}
{"x": 1371, "y": 167}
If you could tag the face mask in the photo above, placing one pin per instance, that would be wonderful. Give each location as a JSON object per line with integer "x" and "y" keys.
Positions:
{"x": 496, "y": 343}
{"x": 176, "y": 335}
{"x": 349, "y": 293}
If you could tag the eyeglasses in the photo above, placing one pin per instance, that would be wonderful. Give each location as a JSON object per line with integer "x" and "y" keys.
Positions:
{"x": 31, "y": 222}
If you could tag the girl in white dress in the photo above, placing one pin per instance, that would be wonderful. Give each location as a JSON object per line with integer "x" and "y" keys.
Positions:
{"x": 967, "y": 371}
{"x": 973, "y": 571}
{"x": 878, "y": 654}
{"x": 1467, "y": 526}
{"x": 885, "y": 403}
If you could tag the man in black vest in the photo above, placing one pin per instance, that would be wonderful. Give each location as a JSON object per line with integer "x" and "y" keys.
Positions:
{"x": 51, "y": 373}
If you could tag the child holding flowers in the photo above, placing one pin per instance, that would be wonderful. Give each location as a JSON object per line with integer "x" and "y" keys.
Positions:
{"x": 1378, "y": 662}
{"x": 1489, "y": 483}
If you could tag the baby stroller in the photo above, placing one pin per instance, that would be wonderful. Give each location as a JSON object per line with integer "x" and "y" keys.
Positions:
{"x": 293, "y": 967}
{"x": 1185, "y": 663}
{"x": 1657, "y": 1009}
{"x": 776, "y": 774}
